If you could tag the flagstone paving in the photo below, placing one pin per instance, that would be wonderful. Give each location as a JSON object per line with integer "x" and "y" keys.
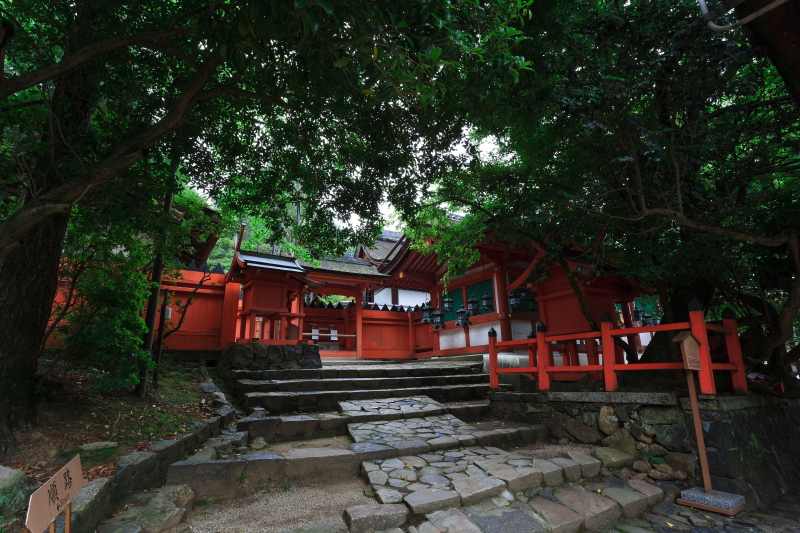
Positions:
{"x": 393, "y": 408}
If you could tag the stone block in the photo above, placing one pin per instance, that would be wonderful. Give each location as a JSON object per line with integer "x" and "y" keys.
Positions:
{"x": 443, "y": 443}
{"x": 552, "y": 474}
{"x": 598, "y": 512}
{"x": 488, "y": 438}
{"x": 607, "y": 420}
{"x": 294, "y": 426}
{"x": 377, "y": 477}
{"x": 452, "y": 521}
{"x": 409, "y": 447}
{"x": 723, "y": 500}
{"x": 429, "y": 500}
{"x": 572, "y": 469}
{"x": 91, "y": 505}
{"x": 210, "y": 480}
{"x": 590, "y": 467}
{"x": 472, "y": 490}
{"x": 632, "y": 503}
{"x": 168, "y": 451}
{"x": 331, "y": 422}
{"x": 367, "y": 451}
{"x": 386, "y": 495}
{"x": 160, "y": 516}
{"x": 375, "y": 517}
{"x": 178, "y": 495}
{"x": 204, "y": 454}
{"x": 613, "y": 458}
{"x": 138, "y": 470}
{"x": 14, "y": 491}
{"x": 519, "y": 479}
{"x": 263, "y": 468}
{"x": 621, "y": 440}
{"x": 265, "y": 428}
{"x": 654, "y": 493}
{"x": 560, "y": 519}
{"x": 318, "y": 464}
{"x": 581, "y": 432}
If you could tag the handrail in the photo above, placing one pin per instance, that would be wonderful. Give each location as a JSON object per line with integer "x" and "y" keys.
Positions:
{"x": 540, "y": 360}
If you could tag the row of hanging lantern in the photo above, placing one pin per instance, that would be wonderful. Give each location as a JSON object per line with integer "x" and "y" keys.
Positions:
{"x": 515, "y": 299}
{"x": 474, "y": 308}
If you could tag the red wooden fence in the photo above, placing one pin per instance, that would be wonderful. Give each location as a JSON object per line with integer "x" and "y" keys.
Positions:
{"x": 541, "y": 367}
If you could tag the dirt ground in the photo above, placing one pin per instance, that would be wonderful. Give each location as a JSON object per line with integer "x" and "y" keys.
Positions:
{"x": 69, "y": 415}
{"x": 340, "y": 442}
{"x": 279, "y": 510}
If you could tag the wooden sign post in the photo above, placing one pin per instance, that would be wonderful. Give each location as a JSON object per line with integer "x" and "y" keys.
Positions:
{"x": 690, "y": 348}
{"x": 55, "y": 496}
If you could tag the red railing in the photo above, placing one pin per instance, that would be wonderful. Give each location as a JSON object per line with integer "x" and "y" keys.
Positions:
{"x": 542, "y": 368}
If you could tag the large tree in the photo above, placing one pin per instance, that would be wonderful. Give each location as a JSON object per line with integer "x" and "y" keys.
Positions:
{"x": 326, "y": 103}
{"x": 654, "y": 144}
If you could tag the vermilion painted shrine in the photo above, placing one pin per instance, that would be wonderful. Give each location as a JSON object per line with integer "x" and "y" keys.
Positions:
{"x": 271, "y": 299}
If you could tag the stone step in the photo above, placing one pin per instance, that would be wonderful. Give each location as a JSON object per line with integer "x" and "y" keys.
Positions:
{"x": 279, "y": 428}
{"x": 283, "y": 402}
{"x": 355, "y": 371}
{"x": 488, "y": 489}
{"x": 244, "y": 386}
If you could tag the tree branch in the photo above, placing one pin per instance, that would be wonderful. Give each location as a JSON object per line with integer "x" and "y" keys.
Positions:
{"x": 235, "y": 91}
{"x": 747, "y": 105}
{"x": 61, "y": 199}
{"x": 15, "y": 84}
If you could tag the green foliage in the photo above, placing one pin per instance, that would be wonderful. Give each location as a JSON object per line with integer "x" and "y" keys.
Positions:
{"x": 657, "y": 460}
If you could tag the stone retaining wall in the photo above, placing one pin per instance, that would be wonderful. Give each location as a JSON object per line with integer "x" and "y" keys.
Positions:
{"x": 753, "y": 442}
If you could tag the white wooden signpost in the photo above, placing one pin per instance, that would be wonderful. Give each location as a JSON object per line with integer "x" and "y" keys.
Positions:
{"x": 55, "y": 497}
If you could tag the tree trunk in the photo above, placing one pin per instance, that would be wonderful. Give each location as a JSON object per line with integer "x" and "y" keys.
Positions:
{"x": 28, "y": 283}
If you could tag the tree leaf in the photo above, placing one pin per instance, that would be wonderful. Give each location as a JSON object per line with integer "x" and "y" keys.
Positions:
{"x": 341, "y": 62}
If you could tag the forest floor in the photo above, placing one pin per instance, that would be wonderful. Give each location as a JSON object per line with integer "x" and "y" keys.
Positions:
{"x": 70, "y": 415}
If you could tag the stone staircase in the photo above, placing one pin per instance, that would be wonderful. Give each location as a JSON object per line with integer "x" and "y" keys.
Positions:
{"x": 303, "y": 390}
{"x": 428, "y": 469}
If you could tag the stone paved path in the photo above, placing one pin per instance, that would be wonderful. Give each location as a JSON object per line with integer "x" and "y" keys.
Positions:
{"x": 445, "y": 431}
{"x": 393, "y": 408}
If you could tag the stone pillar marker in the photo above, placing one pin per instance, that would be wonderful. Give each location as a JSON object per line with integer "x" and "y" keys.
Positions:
{"x": 719, "y": 502}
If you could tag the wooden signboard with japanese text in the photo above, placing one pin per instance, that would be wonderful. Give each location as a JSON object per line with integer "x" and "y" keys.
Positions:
{"x": 690, "y": 348}
{"x": 52, "y": 498}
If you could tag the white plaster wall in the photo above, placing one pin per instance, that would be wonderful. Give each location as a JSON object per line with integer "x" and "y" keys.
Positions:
{"x": 479, "y": 334}
{"x": 520, "y": 329}
{"x": 452, "y": 338}
{"x": 404, "y": 297}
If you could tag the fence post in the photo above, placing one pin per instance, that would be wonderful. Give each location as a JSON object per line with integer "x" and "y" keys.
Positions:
{"x": 609, "y": 354}
{"x": 531, "y": 354}
{"x": 697, "y": 321}
{"x": 543, "y": 347}
{"x": 739, "y": 376}
{"x": 494, "y": 379}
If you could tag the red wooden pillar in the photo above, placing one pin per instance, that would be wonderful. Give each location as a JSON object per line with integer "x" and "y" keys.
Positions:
{"x": 230, "y": 308}
{"x": 591, "y": 352}
{"x": 359, "y": 321}
{"x": 494, "y": 379}
{"x": 412, "y": 335}
{"x": 698, "y": 323}
{"x": 500, "y": 282}
{"x": 301, "y": 306}
{"x": 251, "y": 325}
{"x": 532, "y": 353}
{"x": 609, "y": 354}
{"x": 739, "y": 375}
{"x": 543, "y": 347}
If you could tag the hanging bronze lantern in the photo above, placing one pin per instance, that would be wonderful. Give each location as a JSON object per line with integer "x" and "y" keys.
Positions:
{"x": 462, "y": 318}
{"x": 438, "y": 320}
{"x": 487, "y": 302}
{"x": 427, "y": 312}
{"x": 472, "y": 306}
{"x": 514, "y": 300}
{"x": 447, "y": 304}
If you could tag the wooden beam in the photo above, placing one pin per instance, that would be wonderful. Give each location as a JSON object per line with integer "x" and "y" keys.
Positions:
{"x": 428, "y": 279}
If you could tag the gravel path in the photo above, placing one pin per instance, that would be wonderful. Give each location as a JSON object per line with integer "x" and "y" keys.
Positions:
{"x": 542, "y": 450}
{"x": 271, "y": 512}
